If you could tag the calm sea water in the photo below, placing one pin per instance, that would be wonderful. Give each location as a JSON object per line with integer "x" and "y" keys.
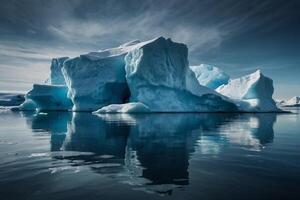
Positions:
{"x": 155, "y": 156}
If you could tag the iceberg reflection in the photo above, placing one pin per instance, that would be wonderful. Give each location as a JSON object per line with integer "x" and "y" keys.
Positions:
{"x": 151, "y": 152}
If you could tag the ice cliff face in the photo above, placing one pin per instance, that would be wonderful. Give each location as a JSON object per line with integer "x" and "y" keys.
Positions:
{"x": 158, "y": 76}
{"x": 252, "y": 92}
{"x": 210, "y": 76}
{"x": 151, "y": 76}
{"x": 56, "y": 76}
{"x": 97, "y": 79}
{"x": 160, "y": 62}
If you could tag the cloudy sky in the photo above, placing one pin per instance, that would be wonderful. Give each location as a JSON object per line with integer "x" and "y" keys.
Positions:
{"x": 237, "y": 36}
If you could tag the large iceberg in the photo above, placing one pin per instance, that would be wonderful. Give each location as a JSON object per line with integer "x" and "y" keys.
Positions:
{"x": 252, "y": 92}
{"x": 151, "y": 76}
{"x": 56, "y": 76}
{"x": 210, "y": 76}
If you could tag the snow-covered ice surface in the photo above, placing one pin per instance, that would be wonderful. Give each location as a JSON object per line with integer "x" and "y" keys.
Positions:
{"x": 134, "y": 107}
{"x": 47, "y": 97}
{"x": 210, "y": 76}
{"x": 292, "y": 102}
{"x": 252, "y": 92}
{"x": 11, "y": 99}
{"x": 56, "y": 76}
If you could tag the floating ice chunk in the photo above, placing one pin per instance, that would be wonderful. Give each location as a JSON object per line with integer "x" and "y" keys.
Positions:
{"x": 293, "y": 102}
{"x": 210, "y": 76}
{"x": 134, "y": 107}
{"x": 33, "y": 155}
{"x": 252, "y": 92}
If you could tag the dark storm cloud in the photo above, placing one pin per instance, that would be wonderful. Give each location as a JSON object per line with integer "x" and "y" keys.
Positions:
{"x": 239, "y": 36}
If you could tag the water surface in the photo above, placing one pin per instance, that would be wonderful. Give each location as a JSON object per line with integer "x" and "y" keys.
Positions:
{"x": 60, "y": 155}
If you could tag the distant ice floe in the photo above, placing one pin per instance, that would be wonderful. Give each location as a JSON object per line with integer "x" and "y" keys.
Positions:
{"x": 292, "y": 102}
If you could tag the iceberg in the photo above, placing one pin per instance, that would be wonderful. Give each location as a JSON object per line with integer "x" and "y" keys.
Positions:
{"x": 150, "y": 76}
{"x": 56, "y": 76}
{"x": 210, "y": 76}
{"x": 11, "y": 99}
{"x": 134, "y": 107}
{"x": 293, "y": 102}
{"x": 252, "y": 93}
{"x": 46, "y": 98}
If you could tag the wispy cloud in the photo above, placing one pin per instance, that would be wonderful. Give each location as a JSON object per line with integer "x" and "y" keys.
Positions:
{"x": 27, "y": 62}
{"x": 32, "y": 33}
{"x": 27, "y": 50}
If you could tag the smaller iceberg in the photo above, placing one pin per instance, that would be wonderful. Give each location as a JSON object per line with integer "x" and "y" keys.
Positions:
{"x": 133, "y": 107}
{"x": 46, "y": 98}
{"x": 11, "y": 99}
{"x": 293, "y": 102}
{"x": 210, "y": 76}
{"x": 252, "y": 93}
